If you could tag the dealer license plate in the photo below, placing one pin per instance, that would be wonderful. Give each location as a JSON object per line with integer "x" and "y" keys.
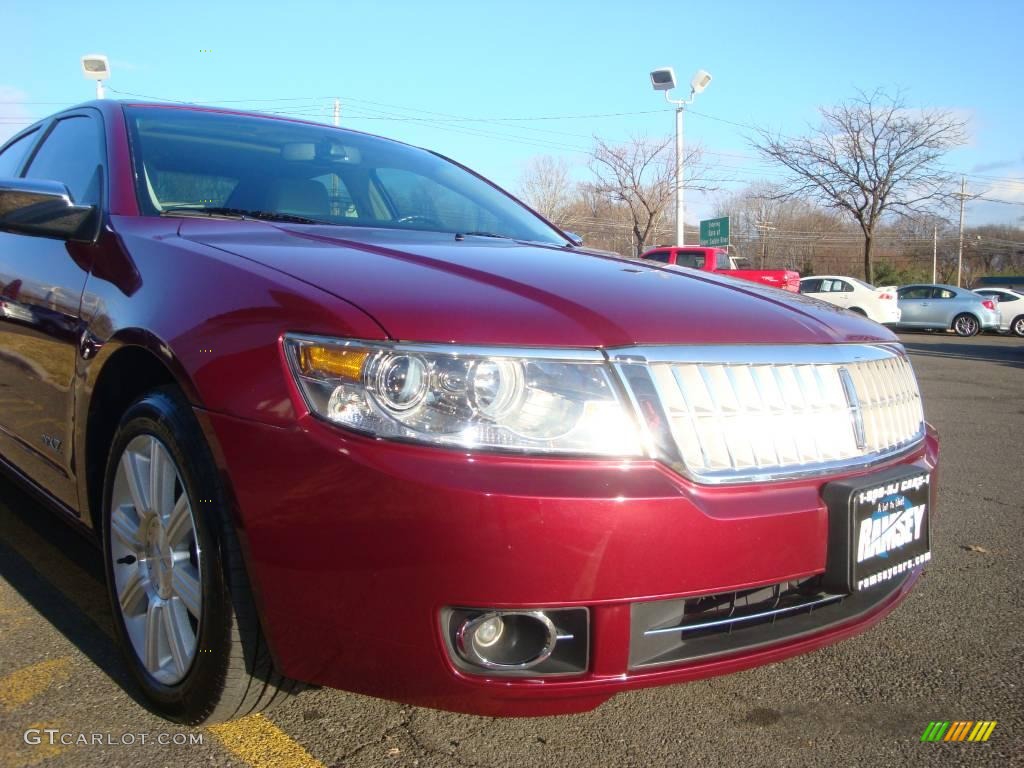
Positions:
{"x": 878, "y": 527}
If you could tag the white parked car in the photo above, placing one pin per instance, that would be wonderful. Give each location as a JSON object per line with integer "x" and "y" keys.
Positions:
{"x": 1010, "y": 305}
{"x": 879, "y": 304}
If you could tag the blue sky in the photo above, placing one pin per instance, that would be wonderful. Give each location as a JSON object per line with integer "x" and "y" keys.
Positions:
{"x": 773, "y": 63}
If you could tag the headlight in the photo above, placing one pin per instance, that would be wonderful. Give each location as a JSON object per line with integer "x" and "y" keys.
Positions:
{"x": 519, "y": 400}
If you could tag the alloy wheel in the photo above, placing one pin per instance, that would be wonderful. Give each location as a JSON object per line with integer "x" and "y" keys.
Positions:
{"x": 965, "y": 325}
{"x": 156, "y": 559}
{"x": 1018, "y": 326}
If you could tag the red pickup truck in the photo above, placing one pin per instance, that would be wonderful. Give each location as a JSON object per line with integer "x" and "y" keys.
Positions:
{"x": 719, "y": 260}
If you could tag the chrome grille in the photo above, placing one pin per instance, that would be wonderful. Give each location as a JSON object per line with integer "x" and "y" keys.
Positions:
{"x": 768, "y": 412}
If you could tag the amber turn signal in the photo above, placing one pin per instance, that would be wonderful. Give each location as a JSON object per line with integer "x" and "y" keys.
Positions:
{"x": 334, "y": 362}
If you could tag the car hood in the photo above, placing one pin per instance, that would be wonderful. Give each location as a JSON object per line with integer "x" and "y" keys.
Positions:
{"x": 430, "y": 287}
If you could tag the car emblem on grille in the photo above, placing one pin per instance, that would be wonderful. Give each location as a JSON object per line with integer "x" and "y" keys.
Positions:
{"x": 856, "y": 412}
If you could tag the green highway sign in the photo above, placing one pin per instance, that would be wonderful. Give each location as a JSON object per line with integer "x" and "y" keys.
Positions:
{"x": 714, "y": 231}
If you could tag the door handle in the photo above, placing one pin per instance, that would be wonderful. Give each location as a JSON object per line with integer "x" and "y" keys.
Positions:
{"x": 89, "y": 346}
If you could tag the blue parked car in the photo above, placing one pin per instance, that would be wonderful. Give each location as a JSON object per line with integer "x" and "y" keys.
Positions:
{"x": 943, "y": 307}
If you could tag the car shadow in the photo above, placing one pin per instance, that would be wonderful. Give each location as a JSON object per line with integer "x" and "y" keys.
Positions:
{"x": 58, "y": 570}
{"x": 989, "y": 349}
{"x": 59, "y": 573}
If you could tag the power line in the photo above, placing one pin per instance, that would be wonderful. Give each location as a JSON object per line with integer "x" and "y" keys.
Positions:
{"x": 752, "y": 167}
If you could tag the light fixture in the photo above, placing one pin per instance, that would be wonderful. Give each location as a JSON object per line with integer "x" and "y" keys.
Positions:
{"x": 663, "y": 79}
{"x": 700, "y": 81}
{"x": 95, "y": 66}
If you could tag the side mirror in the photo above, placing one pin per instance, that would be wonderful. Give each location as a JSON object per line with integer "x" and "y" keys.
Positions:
{"x": 574, "y": 238}
{"x": 45, "y": 208}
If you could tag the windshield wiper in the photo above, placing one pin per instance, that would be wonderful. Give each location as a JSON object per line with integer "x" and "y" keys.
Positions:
{"x": 241, "y": 213}
{"x": 460, "y": 235}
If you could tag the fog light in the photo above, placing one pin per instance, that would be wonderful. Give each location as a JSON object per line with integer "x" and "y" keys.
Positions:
{"x": 507, "y": 640}
{"x": 489, "y": 632}
{"x": 522, "y": 642}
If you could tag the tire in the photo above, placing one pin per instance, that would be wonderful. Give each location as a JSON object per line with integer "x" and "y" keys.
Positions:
{"x": 966, "y": 325}
{"x": 1017, "y": 326}
{"x": 182, "y": 608}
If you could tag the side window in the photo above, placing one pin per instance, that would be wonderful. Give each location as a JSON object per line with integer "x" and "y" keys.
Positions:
{"x": 943, "y": 293}
{"x": 810, "y": 286}
{"x": 659, "y": 256}
{"x": 842, "y": 285}
{"x": 690, "y": 259}
{"x": 826, "y": 286}
{"x": 916, "y": 292}
{"x": 1006, "y": 297}
{"x": 722, "y": 260}
{"x": 12, "y": 157}
{"x": 71, "y": 154}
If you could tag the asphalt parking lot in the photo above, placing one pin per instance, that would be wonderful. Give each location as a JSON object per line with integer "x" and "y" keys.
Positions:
{"x": 953, "y": 651}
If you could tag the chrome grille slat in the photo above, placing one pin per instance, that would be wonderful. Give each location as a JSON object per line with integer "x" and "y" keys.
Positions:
{"x": 745, "y": 419}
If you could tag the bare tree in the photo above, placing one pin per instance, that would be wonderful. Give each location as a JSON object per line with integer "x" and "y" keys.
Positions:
{"x": 870, "y": 158}
{"x": 640, "y": 175}
{"x": 546, "y": 185}
{"x": 765, "y": 218}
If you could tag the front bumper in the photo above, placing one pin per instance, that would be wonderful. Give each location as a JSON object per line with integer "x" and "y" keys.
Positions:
{"x": 355, "y": 545}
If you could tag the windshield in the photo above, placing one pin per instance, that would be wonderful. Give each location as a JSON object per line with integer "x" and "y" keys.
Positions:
{"x": 188, "y": 162}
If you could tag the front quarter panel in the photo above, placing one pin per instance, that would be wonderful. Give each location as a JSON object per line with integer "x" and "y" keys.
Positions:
{"x": 214, "y": 317}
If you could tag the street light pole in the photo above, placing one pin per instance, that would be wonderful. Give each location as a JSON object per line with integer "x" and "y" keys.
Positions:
{"x": 680, "y": 218}
{"x": 665, "y": 80}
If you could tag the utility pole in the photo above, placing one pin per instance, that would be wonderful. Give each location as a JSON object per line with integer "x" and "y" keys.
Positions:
{"x": 335, "y": 184}
{"x": 935, "y": 252}
{"x": 764, "y": 227}
{"x": 960, "y": 249}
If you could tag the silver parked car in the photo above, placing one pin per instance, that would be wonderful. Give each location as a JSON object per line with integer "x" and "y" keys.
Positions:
{"x": 944, "y": 307}
{"x": 1009, "y": 305}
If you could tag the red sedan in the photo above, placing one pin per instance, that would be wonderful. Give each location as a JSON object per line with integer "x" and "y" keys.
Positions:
{"x": 341, "y": 411}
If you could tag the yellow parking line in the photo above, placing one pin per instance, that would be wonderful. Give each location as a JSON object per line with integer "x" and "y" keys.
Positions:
{"x": 22, "y": 686}
{"x": 254, "y": 739}
{"x": 262, "y": 744}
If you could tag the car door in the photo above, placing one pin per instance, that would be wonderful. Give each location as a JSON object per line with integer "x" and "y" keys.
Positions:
{"x": 942, "y": 308}
{"x": 839, "y": 292}
{"x": 914, "y": 302}
{"x": 41, "y": 280}
{"x": 819, "y": 288}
